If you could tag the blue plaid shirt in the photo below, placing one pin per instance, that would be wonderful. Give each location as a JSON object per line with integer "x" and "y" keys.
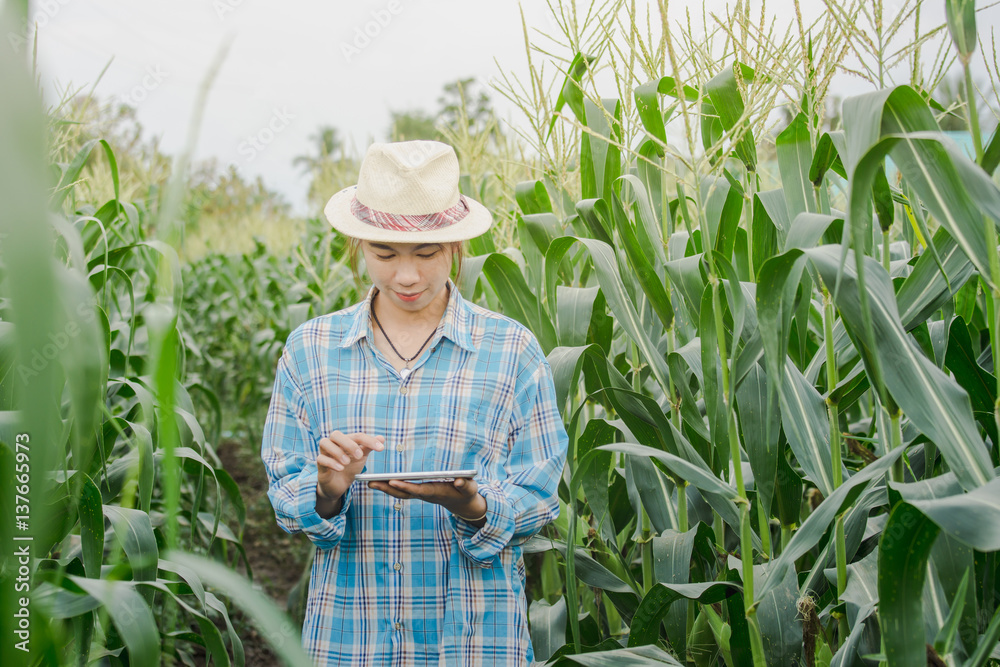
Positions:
{"x": 405, "y": 582}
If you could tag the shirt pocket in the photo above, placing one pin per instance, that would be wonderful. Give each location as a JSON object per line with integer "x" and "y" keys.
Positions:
{"x": 465, "y": 441}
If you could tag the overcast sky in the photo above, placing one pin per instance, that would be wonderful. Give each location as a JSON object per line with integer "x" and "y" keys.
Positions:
{"x": 293, "y": 65}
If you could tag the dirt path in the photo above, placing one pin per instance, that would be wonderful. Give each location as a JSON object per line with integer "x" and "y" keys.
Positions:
{"x": 277, "y": 558}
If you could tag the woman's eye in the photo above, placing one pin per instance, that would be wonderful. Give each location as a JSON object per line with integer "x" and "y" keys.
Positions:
{"x": 427, "y": 256}
{"x": 384, "y": 257}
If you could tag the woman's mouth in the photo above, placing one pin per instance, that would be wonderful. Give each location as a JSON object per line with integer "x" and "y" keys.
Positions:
{"x": 408, "y": 297}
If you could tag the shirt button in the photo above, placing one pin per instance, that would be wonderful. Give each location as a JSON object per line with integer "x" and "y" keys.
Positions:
{"x": 403, "y": 390}
{"x": 398, "y": 566}
{"x": 399, "y": 448}
{"x": 399, "y": 626}
{"x": 398, "y": 506}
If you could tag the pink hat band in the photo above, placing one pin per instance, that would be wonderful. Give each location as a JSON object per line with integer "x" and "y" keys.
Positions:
{"x": 398, "y": 222}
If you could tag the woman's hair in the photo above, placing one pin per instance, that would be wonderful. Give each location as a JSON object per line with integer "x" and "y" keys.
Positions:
{"x": 354, "y": 250}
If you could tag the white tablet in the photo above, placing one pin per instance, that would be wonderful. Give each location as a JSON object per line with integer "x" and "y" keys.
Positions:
{"x": 428, "y": 476}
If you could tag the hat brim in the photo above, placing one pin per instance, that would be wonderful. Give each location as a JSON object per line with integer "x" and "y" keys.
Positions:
{"x": 338, "y": 213}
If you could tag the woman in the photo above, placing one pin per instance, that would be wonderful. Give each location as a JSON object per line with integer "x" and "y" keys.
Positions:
{"x": 413, "y": 378}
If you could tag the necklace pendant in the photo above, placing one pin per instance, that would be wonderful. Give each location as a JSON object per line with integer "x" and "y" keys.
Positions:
{"x": 405, "y": 372}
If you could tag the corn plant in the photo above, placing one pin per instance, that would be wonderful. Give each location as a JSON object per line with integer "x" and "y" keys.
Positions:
{"x": 129, "y": 527}
{"x": 239, "y": 310}
{"x": 778, "y": 379}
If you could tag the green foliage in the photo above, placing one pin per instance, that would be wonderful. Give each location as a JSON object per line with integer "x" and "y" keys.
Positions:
{"x": 412, "y": 125}
{"x": 240, "y": 309}
{"x": 221, "y": 211}
{"x": 120, "y": 482}
{"x": 774, "y": 347}
{"x": 783, "y": 450}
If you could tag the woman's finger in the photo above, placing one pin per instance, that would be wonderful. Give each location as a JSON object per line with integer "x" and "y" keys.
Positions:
{"x": 392, "y": 491}
{"x": 407, "y": 487}
{"x": 404, "y": 489}
{"x": 328, "y": 462}
{"x": 332, "y": 447}
{"x": 350, "y": 450}
{"x": 368, "y": 442}
{"x": 467, "y": 487}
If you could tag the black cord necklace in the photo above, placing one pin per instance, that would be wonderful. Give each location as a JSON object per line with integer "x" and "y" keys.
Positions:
{"x": 405, "y": 372}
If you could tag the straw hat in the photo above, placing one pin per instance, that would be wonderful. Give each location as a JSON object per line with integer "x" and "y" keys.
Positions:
{"x": 407, "y": 192}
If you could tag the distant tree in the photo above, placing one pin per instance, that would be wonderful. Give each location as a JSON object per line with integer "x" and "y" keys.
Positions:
{"x": 223, "y": 194}
{"x": 329, "y": 167}
{"x": 465, "y": 102}
{"x": 327, "y": 144}
{"x": 331, "y": 177}
{"x": 224, "y": 211}
{"x": 220, "y": 205}
{"x": 143, "y": 167}
{"x": 465, "y": 119}
{"x": 462, "y": 107}
{"x": 412, "y": 124}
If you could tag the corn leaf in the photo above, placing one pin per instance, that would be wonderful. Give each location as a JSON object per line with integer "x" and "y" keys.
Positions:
{"x": 91, "y": 528}
{"x": 930, "y": 285}
{"x": 532, "y": 197}
{"x": 972, "y": 518}
{"x": 518, "y": 301}
{"x": 135, "y": 533}
{"x": 803, "y": 415}
{"x": 657, "y": 601}
{"x": 619, "y": 301}
{"x": 962, "y": 25}
{"x": 794, "y": 162}
{"x": 639, "y": 656}
{"x": 724, "y": 93}
{"x": 129, "y": 612}
{"x": 902, "y": 566}
{"x": 272, "y": 623}
{"x": 816, "y": 525}
{"x": 934, "y": 402}
{"x": 548, "y": 627}
{"x": 759, "y": 428}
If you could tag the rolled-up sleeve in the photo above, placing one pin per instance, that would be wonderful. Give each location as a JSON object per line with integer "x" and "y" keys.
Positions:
{"x": 289, "y": 454}
{"x": 522, "y": 503}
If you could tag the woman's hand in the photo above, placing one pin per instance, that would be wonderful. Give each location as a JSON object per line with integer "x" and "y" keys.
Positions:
{"x": 458, "y": 497}
{"x": 340, "y": 458}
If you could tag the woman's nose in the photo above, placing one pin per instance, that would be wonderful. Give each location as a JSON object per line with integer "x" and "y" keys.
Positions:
{"x": 406, "y": 272}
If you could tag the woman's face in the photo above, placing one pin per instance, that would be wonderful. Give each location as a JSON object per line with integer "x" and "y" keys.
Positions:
{"x": 410, "y": 276}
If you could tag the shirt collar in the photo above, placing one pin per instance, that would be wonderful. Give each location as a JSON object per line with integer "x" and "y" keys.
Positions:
{"x": 456, "y": 324}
